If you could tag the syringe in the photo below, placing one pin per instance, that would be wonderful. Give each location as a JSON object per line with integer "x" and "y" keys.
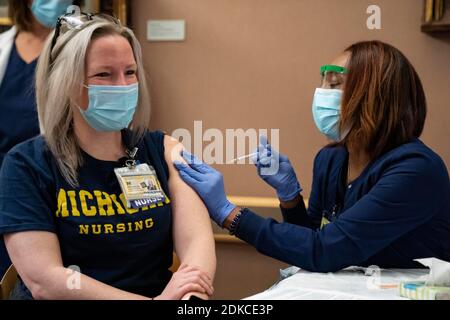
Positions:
{"x": 242, "y": 158}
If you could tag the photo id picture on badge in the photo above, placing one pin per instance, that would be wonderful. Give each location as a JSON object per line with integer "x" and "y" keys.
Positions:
{"x": 140, "y": 185}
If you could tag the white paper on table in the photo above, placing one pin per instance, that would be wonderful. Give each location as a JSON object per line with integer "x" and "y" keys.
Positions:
{"x": 349, "y": 284}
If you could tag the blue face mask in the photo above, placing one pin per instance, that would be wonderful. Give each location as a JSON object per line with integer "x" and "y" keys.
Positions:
{"x": 326, "y": 109}
{"x": 111, "y": 108}
{"x": 48, "y": 11}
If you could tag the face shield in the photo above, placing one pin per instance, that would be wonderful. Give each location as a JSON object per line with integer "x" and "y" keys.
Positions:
{"x": 332, "y": 76}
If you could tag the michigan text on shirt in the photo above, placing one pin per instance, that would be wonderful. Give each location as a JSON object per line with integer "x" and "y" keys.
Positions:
{"x": 83, "y": 203}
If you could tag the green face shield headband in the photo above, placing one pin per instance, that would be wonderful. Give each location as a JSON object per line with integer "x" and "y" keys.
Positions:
{"x": 332, "y": 68}
{"x": 332, "y": 76}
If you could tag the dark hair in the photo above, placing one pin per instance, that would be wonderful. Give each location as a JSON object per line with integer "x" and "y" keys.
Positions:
{"x": 20, "y": 13}
{"x": 384, "y": 103}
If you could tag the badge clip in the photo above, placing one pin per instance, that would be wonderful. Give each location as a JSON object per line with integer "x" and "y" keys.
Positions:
{"x": 131, "y": 163}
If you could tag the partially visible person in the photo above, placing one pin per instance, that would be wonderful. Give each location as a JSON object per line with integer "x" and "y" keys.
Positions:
{"x": 68, "y": 197}
{"x": 19, "y": 49}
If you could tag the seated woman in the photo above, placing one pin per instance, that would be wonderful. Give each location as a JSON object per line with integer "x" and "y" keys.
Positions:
{"x": 62, "y": 205}
{"x": 379, "y": 195}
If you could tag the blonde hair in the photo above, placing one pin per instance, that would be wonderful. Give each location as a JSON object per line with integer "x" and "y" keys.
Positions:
{"x": 60, "y": 75}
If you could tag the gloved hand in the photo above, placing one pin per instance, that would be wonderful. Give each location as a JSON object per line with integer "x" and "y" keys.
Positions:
{"x": 208, "y": 183}
{"x": 283, "y": 180}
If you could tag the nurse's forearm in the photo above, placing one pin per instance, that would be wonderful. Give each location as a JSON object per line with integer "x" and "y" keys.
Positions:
{"x": 291, "y": 203}
{"x": 231, "y": 216}
{"x": 299, "y": 218}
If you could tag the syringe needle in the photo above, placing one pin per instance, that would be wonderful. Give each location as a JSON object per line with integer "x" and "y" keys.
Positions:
{"x": 243, "y": 157}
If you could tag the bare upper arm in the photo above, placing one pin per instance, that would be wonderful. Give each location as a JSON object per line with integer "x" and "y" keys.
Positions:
{"x": 190, "y": 216}
{"x": 185, "y": 200}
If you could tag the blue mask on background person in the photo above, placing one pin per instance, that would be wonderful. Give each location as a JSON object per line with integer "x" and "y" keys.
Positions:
{"x": 111, "y": 108}
{"x": 47, "y": 12}
{"x": 326, "y": 109}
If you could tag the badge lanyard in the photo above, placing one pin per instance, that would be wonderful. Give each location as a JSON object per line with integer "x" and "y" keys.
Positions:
{"x": 139, "y": 183}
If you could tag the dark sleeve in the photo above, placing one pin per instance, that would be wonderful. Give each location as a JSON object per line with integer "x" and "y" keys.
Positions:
{"x": 155, "y": 146}
{"x": 317, "y": 190}
{"x": 157, "y": 138}
{"x": 25, "y": 203}
{"x": 299, "y": 215}
{"x": 406, "y": 196}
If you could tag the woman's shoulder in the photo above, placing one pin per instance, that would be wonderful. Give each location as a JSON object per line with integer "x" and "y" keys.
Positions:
{"x": 154, "y": 140}
{"x": 156, "y": 135}
{"x": 33, "y": 153}
{"x": 162, "y": 140}
{"x": 417, "y": 154}
{"x": 34, "y": 147}
{"x": 156, "y": 144}
{"x": 414, "y": 151}
{"x": 414, "y": 157}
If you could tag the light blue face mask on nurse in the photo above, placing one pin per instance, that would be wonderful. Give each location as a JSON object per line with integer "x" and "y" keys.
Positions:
{"x": 326, "y": 107}
{"x": 111, "y": 108}
{"x": 48, "y": 11}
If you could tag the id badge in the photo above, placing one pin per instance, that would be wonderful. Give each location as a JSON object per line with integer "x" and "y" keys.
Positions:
{"x": 140, "y": 185}
{"x": 324, "y": 222}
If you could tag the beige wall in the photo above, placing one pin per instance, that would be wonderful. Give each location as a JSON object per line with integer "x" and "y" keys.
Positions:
{"x": 242, "y": 271}
{"x": 254, "y": 64}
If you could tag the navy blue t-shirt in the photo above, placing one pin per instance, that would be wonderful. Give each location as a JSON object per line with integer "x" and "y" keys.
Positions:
{"x": 396, "y": 211}
{"x": 18, "y": 114}
{"x": 130, "y": 249}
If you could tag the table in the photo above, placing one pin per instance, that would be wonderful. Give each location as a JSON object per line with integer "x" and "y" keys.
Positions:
{"x": 354, "y": 283}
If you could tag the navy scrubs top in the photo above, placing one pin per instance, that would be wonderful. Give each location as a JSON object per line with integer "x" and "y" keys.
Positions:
{"x": 18, "y": 115}
{"x": 396, "y": 211}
